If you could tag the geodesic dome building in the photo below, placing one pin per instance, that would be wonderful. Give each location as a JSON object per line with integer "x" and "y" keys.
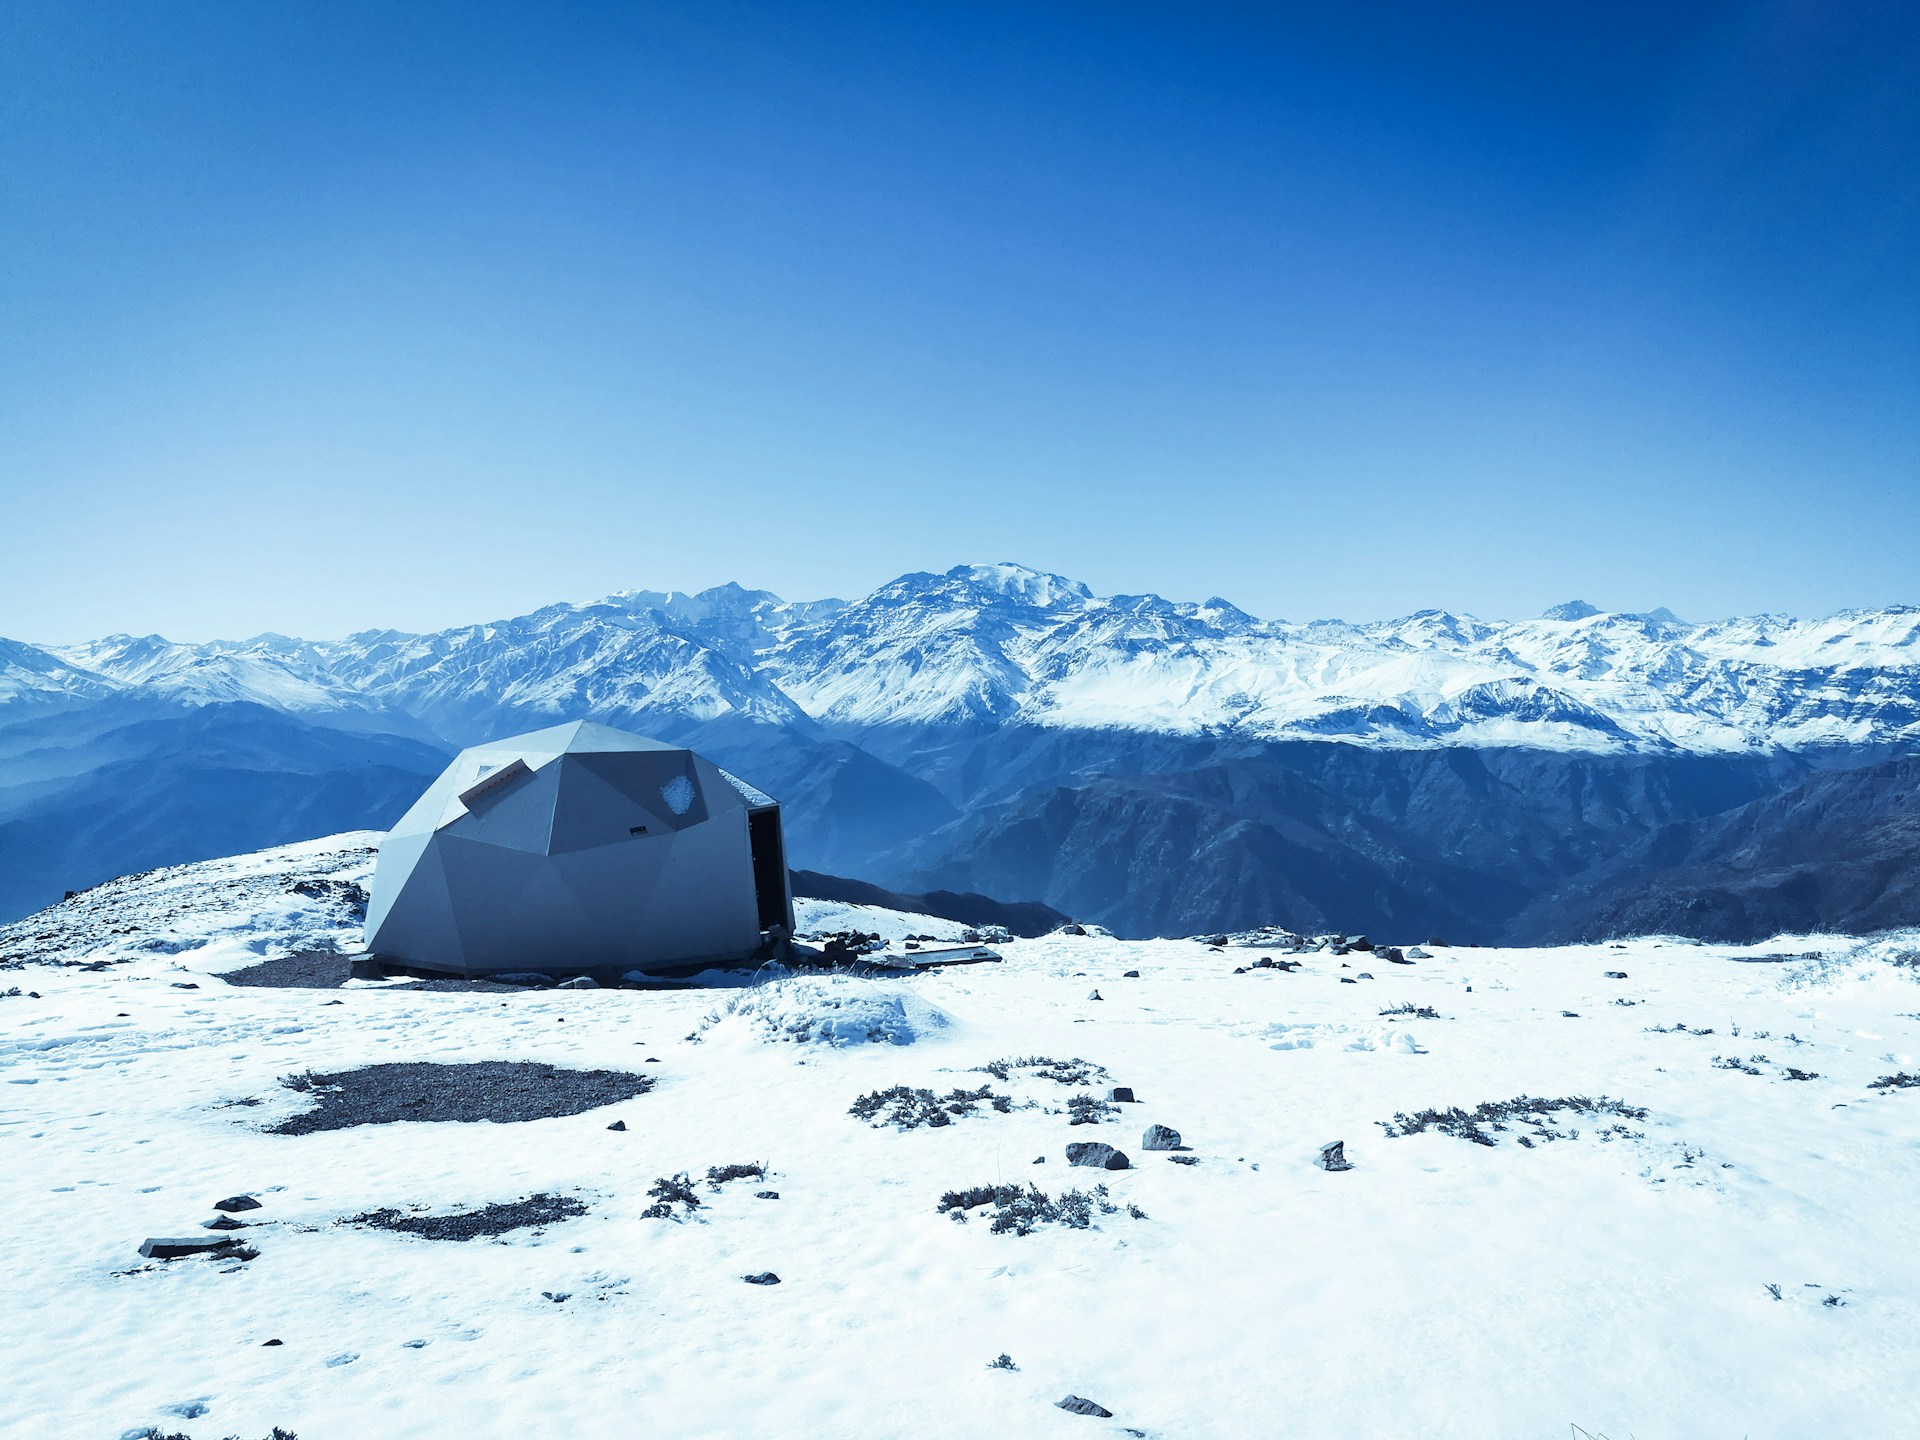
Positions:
{"x": 580, "y": 847}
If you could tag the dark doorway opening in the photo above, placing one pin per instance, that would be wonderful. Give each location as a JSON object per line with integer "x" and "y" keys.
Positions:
{"x": 769, "y": 867}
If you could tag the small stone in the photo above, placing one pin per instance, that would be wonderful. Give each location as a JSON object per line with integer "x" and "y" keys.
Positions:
{"x": 1096, "y": 1155}
{"x": 1616, "y": 974}
{"x": 1364, "y": 975}
{"x": 1131, "y": 975}
{"x": 185, "y": 985}
{"x": 1184, "y": 1159}
{"x": 618, "y": 1125}
{"x": 413, "y": 1344}
{"x": 1094, "y": 996}
{"x": 1265, "y": 962}
{"x": 650, "y": 1060}
{"x": 1039, "y": 1159}
{"x": 1073, "y": 929}
{"x": 1416, "y": 953}
{"x": 1348, "y": 980}
{"x": 765, "y": 1277}
{"x": 266, "y": 1344}
{"x": 557, "y": 1296}
{"x": 1239, "y": 969}
{"x": 1079, "y": 1406}
{"x": 1122, "y": 1095}
{"x": 1160, "y": 1137}
{"x": 1333, "y": 1156}
{"x": 766, "y": 1194}
{"x": 234, "y": 1204}
{"x": 223, "y": 1222}
{"x": 1396, "y": 957}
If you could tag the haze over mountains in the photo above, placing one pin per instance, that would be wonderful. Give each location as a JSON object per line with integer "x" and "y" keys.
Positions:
{"x": 1152, "y": 765}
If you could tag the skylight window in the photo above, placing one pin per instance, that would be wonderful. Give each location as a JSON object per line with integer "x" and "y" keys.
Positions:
{"x": 678, "y": 794}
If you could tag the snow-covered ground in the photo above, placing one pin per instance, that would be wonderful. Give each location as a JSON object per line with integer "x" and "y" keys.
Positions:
{"x": 1616, "y": 1278}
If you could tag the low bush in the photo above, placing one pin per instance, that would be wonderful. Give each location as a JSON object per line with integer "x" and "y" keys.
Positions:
{"x": 1020, "y": 1212}
{"x": 1412, "y": 1011}
{"x": 906, "y": 1108}
{"x": 1041, "y": 1067}
{"x": 1499, "y": 1115}
{"x": 669, "y": 1191}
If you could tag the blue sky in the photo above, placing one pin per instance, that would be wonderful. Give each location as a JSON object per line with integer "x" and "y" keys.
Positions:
{"x": 324, "y": 316}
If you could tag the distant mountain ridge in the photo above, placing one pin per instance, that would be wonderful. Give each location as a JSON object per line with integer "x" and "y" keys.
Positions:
{"x": 986, "y": 645}
{"x": 1145, "y": 763}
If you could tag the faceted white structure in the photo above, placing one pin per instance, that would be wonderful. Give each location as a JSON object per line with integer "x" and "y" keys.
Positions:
{"x": 579, "y": 847}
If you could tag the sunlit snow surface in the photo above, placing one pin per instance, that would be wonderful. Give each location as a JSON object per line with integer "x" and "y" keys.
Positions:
{"x": 1438, "y": 1288}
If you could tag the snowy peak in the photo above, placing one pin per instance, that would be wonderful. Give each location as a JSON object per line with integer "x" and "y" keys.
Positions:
{"x": 1003, "y": 644}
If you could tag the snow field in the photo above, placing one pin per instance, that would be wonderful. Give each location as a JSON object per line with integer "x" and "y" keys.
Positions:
{"x": 1439, "y": 1288}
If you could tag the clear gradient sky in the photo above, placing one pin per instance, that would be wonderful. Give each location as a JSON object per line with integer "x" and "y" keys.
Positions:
{"x": 319, "y": 316}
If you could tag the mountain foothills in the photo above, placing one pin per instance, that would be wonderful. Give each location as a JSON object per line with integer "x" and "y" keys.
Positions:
{"x": 1155, "y": 766}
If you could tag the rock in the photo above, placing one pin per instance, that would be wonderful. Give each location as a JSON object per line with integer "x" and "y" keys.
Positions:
{"x": 1616, "y": 974}
{"x": 1096, "y": 1155}
{"x": 1184, "y": 1159}
{"x": 1364, "y": 975}
{"x": 1131, "y": 975}
{"x": 1348, "y": 980}
{"x": 174, "y": 1249}
{"x": 1160, "y": 1137}
{"x": 618, "y": 1125}
{"x": 557, "y": 1296}
{"x": 1333, "y": 1156}
{"x": 1416, "y": 953}
{"x": 1239, "y": 969}
{"x": 264, "y": 1344}
{"x": 1080, "y": 1406}
{"x": 1094, "y": 996}
{"x": 1359, "y": 942}
{"x": 765, "y": 1277}
{"x": 223, "y": 1222}
{"x": 1073, "y": 929}
{"x": 1039, "y": 1159}
{"x": 766, "y": 1194}
{"x": 1265, "y": 962}
{"x": 235, "y": 1204}
{"x": 185, "y": 985}
{"x": 1121, "y": 1095}
{"x": 1396, "y": 957}
{"x": 579, "y": 982}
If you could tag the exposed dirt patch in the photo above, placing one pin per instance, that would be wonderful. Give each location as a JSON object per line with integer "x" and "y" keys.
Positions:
{"x": 488, "y": 1220}
{"x": 502, "y": 1091}
{"x": 330, "y": 969}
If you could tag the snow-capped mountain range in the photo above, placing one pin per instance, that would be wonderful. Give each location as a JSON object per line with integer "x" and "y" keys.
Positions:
{"x": 1151, "y": 765}
{"x": 997, "y": 645}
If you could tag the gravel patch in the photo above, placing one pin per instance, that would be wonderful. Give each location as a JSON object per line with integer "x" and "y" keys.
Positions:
{"x": 501, "y": 1091}
{"x": 488, "y": 1220}
{"x": 330, "y": 969}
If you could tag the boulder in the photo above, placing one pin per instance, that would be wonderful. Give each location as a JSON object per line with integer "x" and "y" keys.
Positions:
{"x": 235, "y": 1204}
{"x": 1414, "y": 952}
{"x": 1122, "y": 1095}
{"x": 1396, "y": 957}
{"x": 1096, "y": 1155}
{"x": 579, "y": 982}
{"x": 1072, "y": 930}
{"x": 1160, "y": 1137}
{"x": 1078, "y": 1405}
{"x": 765, "y": 1277}
{"x": 1333, "y": 1156}
{"x": 1359, "y": 942}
